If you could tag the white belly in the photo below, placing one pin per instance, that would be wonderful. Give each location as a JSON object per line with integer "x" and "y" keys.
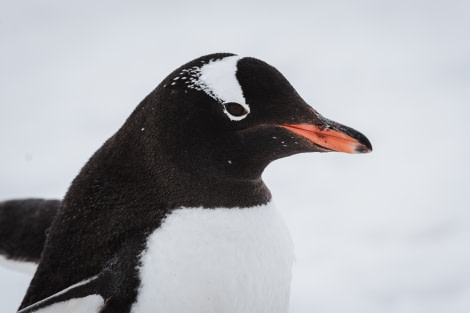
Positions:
{"x": 217, "y": 261}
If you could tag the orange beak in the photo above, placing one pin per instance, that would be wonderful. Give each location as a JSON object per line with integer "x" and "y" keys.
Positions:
{"x": 334, "y": 136}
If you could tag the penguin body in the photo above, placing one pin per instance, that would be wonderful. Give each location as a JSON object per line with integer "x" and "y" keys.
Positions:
{"x": 171, "y": 213}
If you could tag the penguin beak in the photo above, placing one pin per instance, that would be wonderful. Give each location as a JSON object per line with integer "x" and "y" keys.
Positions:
{"x": 332, "y": 136}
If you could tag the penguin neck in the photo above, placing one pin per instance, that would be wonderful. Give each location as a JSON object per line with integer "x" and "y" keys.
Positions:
{"x": 195, "y": 185}
{"x": 168, "y": 181}
{"x": 212, "y": 181}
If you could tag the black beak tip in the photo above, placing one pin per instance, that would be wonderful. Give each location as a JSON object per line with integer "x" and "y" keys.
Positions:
{"x": 365, "y": 146}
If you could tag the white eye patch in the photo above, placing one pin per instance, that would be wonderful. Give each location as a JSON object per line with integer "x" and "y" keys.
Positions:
{"x": 217, "y": 79}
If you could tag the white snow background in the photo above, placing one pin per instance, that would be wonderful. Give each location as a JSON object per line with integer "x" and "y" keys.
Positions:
{"x": 384, "y": 232}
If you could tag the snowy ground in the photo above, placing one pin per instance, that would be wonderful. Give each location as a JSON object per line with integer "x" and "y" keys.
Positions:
{"x": 385, "y": 232}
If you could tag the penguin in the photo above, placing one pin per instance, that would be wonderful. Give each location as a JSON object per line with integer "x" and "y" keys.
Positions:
{"x": 171, "y": 213}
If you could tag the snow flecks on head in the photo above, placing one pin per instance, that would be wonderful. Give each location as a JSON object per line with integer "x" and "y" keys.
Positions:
{"x": 217, "y": 78}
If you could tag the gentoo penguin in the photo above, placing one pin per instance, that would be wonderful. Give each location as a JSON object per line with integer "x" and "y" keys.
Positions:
{"x": 171, "y": 214}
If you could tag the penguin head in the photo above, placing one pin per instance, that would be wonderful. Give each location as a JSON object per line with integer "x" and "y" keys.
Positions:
{"x": 234, "y": 116}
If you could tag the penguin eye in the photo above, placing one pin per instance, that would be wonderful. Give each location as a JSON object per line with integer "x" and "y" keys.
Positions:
{"x": 235, "y": 109}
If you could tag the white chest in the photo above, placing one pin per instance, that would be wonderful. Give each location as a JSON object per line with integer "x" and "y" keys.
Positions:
{"x": 217, "y": 260}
